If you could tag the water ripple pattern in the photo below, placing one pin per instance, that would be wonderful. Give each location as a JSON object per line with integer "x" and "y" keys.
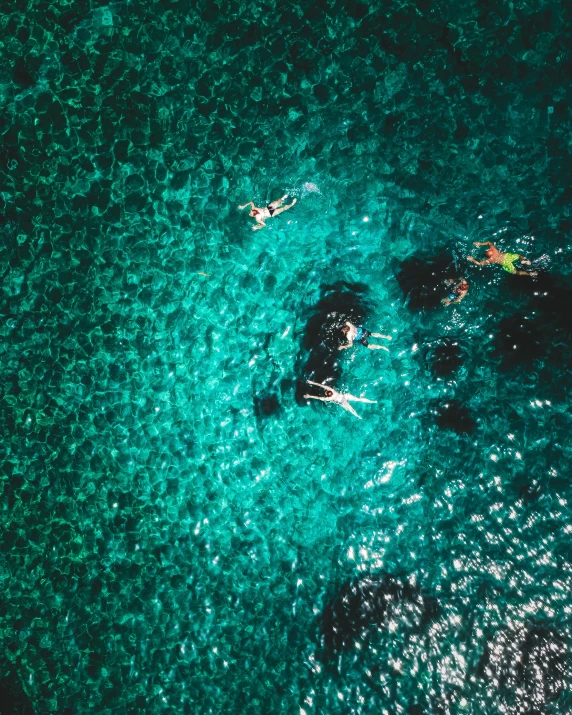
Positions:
{"x": 181, "y": 531}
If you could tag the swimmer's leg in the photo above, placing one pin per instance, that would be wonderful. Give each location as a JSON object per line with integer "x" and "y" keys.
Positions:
{"x": 349, "y": 408}
{"x": 285, "y": 208}
{"x": 279, "y": 202}
{"x": 361, "y": 399}
{"x": 378, "y": 347}
{"x": 379, "y": 335}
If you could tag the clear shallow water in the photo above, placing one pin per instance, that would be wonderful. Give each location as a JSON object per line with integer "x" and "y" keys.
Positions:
{"x": 163, "y": 548}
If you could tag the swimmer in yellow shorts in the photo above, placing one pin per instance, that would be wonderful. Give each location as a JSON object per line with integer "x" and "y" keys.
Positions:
{"x": 506, "y": 260}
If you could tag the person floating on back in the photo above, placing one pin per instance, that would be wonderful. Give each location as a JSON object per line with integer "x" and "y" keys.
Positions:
{"x": 360, "y": 335}
{"x": 273, "y": 209}
{"x": 339, "y": 398}
{"x": 457, "y": 291}
{"x": 506, "y": 260}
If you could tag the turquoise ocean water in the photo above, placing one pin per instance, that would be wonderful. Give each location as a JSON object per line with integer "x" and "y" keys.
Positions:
{"x": 180, "y": 533}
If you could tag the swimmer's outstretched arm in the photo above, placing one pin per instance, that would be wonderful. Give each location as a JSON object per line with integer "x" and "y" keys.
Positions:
{"x": 345, "y": 347}
{"x": 261, "y": 224}
{"x": 250, "y": 203}
{"x": 448, "y": 301}
{"x": 346, "y": 405}
{"x": 479, "y": 263}
{"x": 483, "y": 243}
{"x": 319, "y": 384}
{"x": 314, "y": 397}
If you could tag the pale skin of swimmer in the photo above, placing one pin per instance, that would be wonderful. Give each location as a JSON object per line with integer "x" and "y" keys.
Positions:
{"x": 506, "y": 260}
{"x": 338, "y": 398}
{"x": 273, "y": 209}
{"x": 351, "y": 332}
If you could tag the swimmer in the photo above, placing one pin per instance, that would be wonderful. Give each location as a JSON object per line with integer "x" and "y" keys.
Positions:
{"x": 339, "y": 398}
{"x": 506, "y": 260}
{"x": 360, "y": 335}
{"x": 273, "y": 209}
{"x": 458, "y": 290}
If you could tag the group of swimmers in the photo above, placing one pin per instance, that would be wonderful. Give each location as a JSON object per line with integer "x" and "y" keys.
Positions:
{"x": 458, "y": 289}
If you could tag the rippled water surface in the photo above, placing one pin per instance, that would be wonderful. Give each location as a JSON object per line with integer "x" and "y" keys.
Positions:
{"x": 181, "y": 531}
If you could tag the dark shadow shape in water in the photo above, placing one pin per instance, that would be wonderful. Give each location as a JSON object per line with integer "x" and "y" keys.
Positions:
{"x": 366, "y": 602}
{"x": 527, "y": 666}
{"x": 266, "y": 405}
{"x": 339, "y": 303}
{"x": 422, "y": 281}
{"x": 520, "y": 340}
{"x": 526, "y": 487}
{"x": 454, "y": 415}
{"x": 550, "y": 294}
{"x": 444, "y": 357}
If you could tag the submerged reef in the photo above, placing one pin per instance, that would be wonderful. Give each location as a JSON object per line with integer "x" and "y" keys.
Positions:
{"x": 266, "y": 404}
{"x": 319, "y": 359}
{"x": 541, "y": 329}
{"x": 422, "y": 280}
{"x": 443, "y": 356}
{"x": 455, "y": 416}
{"x": 527, "y": 665}
{"x": 520, "y": 340}
{"x": 367, "y": 602}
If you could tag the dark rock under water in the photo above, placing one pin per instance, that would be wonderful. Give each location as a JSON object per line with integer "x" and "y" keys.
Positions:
{"x": 365, "y": 603}
{"x": 319, "y": 361}
{"x": 422, "y": 280}
{"x": 528, "y": 665}
{"x": 455, "y": 416}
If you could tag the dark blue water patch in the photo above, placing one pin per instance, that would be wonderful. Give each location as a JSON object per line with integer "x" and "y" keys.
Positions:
{"x": 423, "y": 280}
{"x": 266, "y": 404}
{"x": 521, "y": 339}
{"x": 444, "y": 356}
{"x": 13, "y": 698}
{"x": 365, "y": 603}
{"x": 454, "y": 415}
{"x": 549, "y": 295}
{"x": 528, "y": 666}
